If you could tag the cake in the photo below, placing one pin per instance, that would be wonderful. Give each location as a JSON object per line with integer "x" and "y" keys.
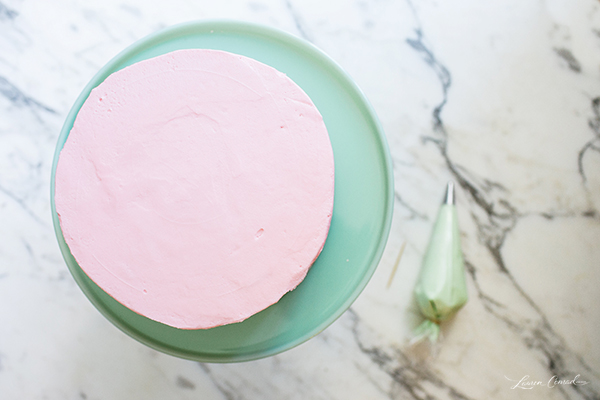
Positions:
{"x": 196, "y": 188}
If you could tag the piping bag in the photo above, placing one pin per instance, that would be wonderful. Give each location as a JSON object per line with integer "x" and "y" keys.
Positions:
{"x": 441, "y": 288}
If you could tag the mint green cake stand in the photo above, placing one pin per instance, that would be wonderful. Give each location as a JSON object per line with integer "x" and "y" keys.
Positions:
{"x": 362, "y": 213}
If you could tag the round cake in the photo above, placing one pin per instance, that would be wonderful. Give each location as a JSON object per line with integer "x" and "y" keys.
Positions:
{"x": 196, "y": 188}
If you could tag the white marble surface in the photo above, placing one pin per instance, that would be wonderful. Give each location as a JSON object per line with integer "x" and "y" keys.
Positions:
{"x": 503, "y": 97}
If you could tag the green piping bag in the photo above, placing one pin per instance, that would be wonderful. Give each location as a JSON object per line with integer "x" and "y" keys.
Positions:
{"x": 441, "y": 288}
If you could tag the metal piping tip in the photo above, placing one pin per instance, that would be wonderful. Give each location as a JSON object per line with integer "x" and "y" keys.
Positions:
{"x": 449, "y": 197}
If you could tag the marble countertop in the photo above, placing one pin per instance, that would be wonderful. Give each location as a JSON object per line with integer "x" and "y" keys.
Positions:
{"x": 502, "y": 97}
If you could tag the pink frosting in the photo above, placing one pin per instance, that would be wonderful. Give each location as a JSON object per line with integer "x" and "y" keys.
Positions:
{"x": 196, "y": 188}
